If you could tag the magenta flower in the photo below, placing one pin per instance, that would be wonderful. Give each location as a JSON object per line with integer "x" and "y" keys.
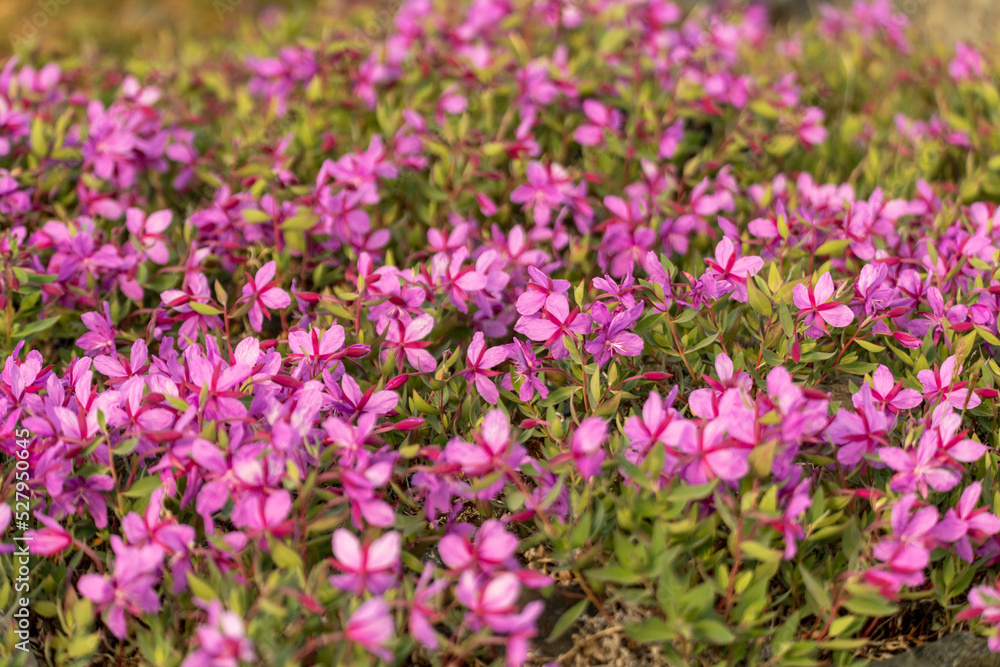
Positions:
{"x": 542, "y": 192}
{"x": 406, "y": 340}
{"x": 149, "y": 233}
{"x": 908, "y": 551}
{"x": 262, "y": 288}
{"x": 371, "y": 567}
{"x": 479, "y": 359}
{"x": 492, "y": 549}
{"x": 353, "y": 402}
{"x": 222, "y": 640}
{"x": 492, "y": 601}
{"x": 422, "y": 614}
{"x": 51, "y": 540}
{"x": 371, "y": 627}
{"x": 888, "y": 394}
{"x": 966, "y": 522}
{"x": 916, "y": 470}
{"x": 859, "y": 433}
{"x": 541, "y": 291}
{"x": 525, "y": 371}
{"x": 493, "y": 451}
{"x": 555, "y": 322}
{"x": 613, "y": 338}
{"x": 940, "y": 384}
{"x": 817, "y": 310}
{"x": 729, "y": 269}
{"x": 587, "y": 446}
{"x": 985, "y": 601}
{"x": 131, "y": 589}
{"x": 708, "y": 453}
{"x": 600, "y": 118}
{"x": 100, "y": 337}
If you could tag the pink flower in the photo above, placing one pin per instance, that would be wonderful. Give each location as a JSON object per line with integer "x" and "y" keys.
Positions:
{"x": 222, "y": 640}
{"x": 985, "y": 601}
{"x": 372, "y": 627}
{"x": 916, "y": 470}
{"x": 492, "y": 549}
{"x": 908, "y": 551}
{"x": 149, "y": 232}
{"x": 131, "y": 589}
{"x": 811, "y": 131}
{"x": 586, "y": 446}
{"x": 493, "y": 451}
{"x": 555, "y": 322}
{"x": 939, "y": 383}
{"x": 422, "y": 615}
{"x": 371, "y": 567}
{"x": 733, "y": 271}
{"x": 541, "y": 291}
{"x": 966, "y": 522}
{"x": 354, "y": 402}
{"x": 406, "y": 340}
{"x": 263, "y": 288}
{"x": 888, "y": 394}
{"x": 50, "y": 540}
{"x": 816, "y": 309}
{"x": 708, "y": 453}
{"x": 479, "y": 359}
{"x": 600, "y": 118}
{"x": 859, "y": 433}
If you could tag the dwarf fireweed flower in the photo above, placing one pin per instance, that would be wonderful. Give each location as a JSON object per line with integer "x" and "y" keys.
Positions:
{"x": 262, "y": 288}
{"x": 131, "y": 589}
{"x": 479, "y": 359}
{"x": 816, "y": 309}
{"x": 368, "y": 567}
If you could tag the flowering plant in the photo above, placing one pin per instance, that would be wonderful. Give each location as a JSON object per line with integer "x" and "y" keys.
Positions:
{"x": 526, "y": 301}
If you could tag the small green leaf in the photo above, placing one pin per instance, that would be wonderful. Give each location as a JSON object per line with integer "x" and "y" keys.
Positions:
{"x": 816, "y": 590}
{"x": 284, "y": 557}
{"x": 200, "y": 588}
{"x": 204, "y": 308}
{"x": 758, "y": 301}
{"x": 35, "y": 327}
{"x": 143, "y": 487}
{"x": 567, "y": 620}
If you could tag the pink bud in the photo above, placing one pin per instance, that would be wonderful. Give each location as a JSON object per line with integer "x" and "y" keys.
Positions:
{"x": 397, "y": 382}
{"x": 906, "y": 340}
{"x": 357, "y": 351}
{"x": 532, "y": 423}
{"x": 410, "y": 424}
{"x": 656, "y": 376}
{"x": 486, "y": 205}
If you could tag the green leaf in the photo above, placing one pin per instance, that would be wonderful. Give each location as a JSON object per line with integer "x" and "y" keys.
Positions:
{"x": 143, "y": 487}
{"x": 758, "y": 551}
{"x": 987, "y": 335}
{"x": 567, "y": 620}
{"x": 833, "y": 247}
{"x": 83, "y": 646}
{"x": 200, "y": 588}
{"x": 36, "y": 327}
{"x": 869, "y": 605}
{"x": 652, "y": 631}
{"x": 816, "y": 590}
{"x": 713, "y": 631}
{"x": 204, "y": 308}
{"x": 614, "y": 574}
{"x": 284, "y": 557}
{"x": 871, "y": 347}
{"x": 758, "y": 301}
